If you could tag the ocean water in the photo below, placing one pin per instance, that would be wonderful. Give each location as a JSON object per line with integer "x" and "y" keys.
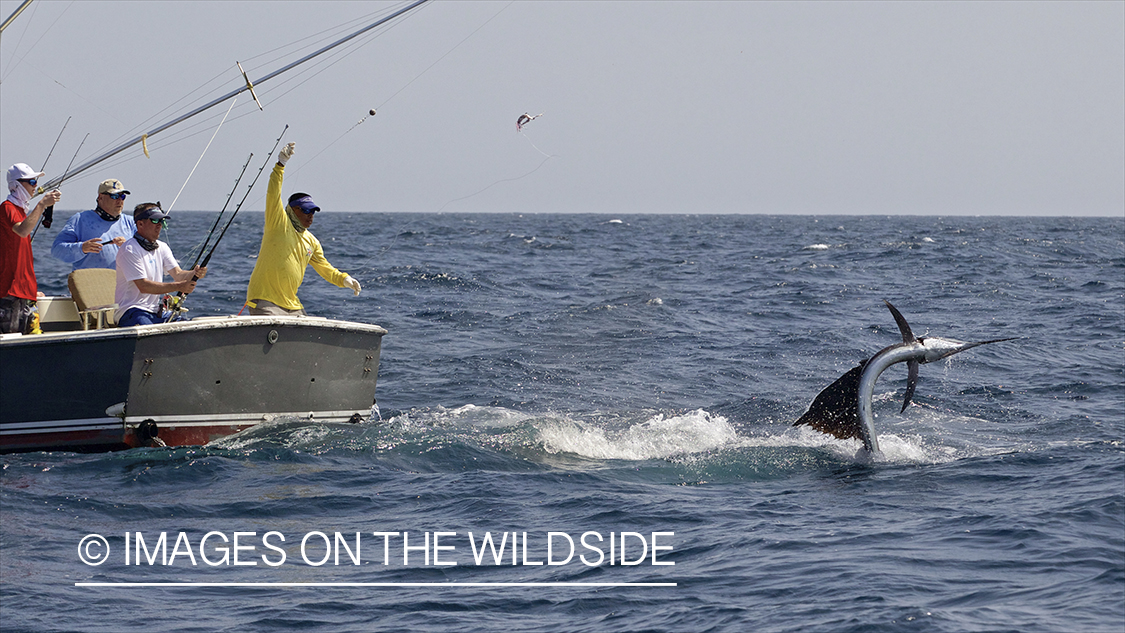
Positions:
{"x": 630, "y": 379}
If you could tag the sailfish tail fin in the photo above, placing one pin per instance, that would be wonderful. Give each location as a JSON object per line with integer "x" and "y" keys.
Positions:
{"x": 911, "y": 366}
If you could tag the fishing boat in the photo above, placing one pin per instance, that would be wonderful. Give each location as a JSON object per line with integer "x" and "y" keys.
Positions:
{"x": 83, "y": 385}
{"x": 181, "y": 383}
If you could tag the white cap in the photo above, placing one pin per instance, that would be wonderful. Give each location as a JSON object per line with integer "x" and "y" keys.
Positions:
{"x": 20, "y": 171}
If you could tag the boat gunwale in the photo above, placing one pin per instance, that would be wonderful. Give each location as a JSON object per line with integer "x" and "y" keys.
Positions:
{"x": 202, "y": 323}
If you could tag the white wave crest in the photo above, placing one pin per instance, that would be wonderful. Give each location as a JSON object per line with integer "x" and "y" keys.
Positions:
{"x": 655, "y": 438}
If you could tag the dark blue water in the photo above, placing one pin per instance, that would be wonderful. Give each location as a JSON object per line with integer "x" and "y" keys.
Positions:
{"x": 581, "y": 373}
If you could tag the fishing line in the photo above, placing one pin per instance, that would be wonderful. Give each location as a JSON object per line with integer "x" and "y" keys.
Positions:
{"x": 372, "y": 112}
{"x": 409, "y": 83}
{"x": 233, "y": 101}
{"x": 541, "y": 163}
{"x": 524, "y": 134}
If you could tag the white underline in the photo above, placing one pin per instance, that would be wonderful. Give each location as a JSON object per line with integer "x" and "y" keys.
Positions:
{"x": 375, "y": 584}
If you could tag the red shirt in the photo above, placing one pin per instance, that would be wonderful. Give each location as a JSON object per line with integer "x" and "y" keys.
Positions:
{"x": 17, "y": 264}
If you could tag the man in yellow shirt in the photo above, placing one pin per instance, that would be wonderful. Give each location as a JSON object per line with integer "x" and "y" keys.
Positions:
{"x": 287, "y": 249}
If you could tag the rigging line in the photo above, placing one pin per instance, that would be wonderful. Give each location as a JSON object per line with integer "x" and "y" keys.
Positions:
{"x": 178, "y": 137}
{"x": 240, "y": 89}
{"x": 326, "y": 62}
{"x": 333, "y": 29}
{"x": 543, "y": 162}
{"x": 336, "y": 56}
{"x": 458, "y": 45}
{"x": 407, "y": 85}
{"x": 232, "y": 102}
{"x": 48, "y": 30}
{"x": 213, "y": 91}
{"x": 204, "y": 123}
{"x": 132, "y": 131}
{"x": 76, "y": 94}
{"x": 26, "y": 24}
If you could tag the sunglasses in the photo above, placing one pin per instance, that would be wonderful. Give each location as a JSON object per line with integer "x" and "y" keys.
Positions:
{"x": 310, "y": 211}
{"x": 30, "y": 181}
{"x": 116, "y": 196}
{"x": 163, "y": 221}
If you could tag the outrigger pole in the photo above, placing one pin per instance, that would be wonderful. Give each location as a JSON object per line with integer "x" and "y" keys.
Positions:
{"x": 15, "y": 14}
{"x": 247, "y": 86}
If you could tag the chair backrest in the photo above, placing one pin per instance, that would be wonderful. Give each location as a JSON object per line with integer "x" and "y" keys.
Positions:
{"x": 92, "y": 288}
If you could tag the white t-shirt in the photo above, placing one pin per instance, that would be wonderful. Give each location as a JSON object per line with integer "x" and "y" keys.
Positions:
{"x": 134, "y": 262}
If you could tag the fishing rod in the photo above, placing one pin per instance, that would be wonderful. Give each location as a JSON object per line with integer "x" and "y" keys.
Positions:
{"x": 248, "y": 85}
{"x": 224, "y": 210}
{"x": 43, "y": 167}
{"x": 49, "y": 212}
{"x": 178, "y": 301}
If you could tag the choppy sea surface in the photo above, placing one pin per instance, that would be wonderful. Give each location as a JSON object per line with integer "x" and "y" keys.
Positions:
{"x": 629, "y": 379}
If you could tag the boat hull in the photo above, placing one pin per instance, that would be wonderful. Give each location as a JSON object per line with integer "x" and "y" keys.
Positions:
{"x": 196, "y": 381}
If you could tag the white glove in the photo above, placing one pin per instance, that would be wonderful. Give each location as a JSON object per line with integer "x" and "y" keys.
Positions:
{"x": 352, "y": 283}
{"x": 287, "y": 153}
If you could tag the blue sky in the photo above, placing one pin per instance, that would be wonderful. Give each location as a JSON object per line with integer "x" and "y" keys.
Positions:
{"x": 943, "y": 108}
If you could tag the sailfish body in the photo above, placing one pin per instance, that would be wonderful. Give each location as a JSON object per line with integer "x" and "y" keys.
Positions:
{"x": 843, "y": 409}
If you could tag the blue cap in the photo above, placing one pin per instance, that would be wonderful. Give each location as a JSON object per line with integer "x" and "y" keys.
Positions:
{"x": 151, "y": 213}
{"x": 304, "y": 205}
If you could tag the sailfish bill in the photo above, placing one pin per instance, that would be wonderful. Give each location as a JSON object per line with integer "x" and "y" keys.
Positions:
{"x": 843, "y": 409}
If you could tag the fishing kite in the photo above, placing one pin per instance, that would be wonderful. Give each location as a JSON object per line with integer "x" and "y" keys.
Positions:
{"x": 524, "y": 119}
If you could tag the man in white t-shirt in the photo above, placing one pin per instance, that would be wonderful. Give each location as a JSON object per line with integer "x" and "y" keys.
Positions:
{"x": 141, "y": 265}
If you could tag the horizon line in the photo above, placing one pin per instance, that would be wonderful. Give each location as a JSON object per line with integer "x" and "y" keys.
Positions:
{"x": 376, "y": 584}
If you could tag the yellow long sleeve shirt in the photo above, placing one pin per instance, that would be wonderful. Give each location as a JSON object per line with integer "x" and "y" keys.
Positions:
{"x": 285, "y": 254}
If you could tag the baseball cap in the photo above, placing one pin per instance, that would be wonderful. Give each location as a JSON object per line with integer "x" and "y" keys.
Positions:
{"x": 21, "y": 171}
{"x": 112, "y": 185}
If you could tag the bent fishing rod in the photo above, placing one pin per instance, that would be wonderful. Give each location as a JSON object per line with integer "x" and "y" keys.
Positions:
{"x": 248, "y": 85}
{"x": 178, "y": 301}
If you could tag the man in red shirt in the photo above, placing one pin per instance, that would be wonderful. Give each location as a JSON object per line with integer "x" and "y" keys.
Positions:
{"x": 18, "y": 289}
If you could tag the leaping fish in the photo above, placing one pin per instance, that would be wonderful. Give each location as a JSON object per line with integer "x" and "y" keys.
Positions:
{"x": 843, "y": 409}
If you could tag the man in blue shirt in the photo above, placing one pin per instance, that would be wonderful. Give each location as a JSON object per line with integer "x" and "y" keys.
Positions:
{"x": 90, "y": 238}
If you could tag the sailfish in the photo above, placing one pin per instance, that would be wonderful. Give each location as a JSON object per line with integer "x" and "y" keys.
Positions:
{"x": 843, "y": 409}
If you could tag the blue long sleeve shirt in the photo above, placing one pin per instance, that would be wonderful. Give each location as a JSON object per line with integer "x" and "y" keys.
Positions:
{"x": 87, "y": 225}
